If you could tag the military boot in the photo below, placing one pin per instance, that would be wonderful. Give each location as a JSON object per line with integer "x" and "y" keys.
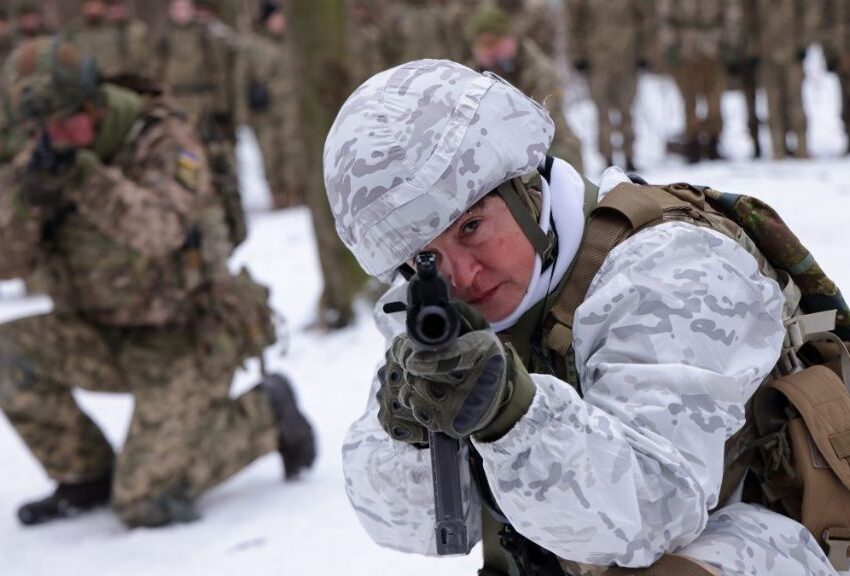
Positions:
{"x": 67, "y": 500}
{"x": 295, "y": 439}
{"x": 712, "y": 149}
{"x": 692, "y": 151}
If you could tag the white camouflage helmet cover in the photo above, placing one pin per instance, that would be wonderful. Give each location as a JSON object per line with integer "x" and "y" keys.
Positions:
{"x": 415, "y": 146}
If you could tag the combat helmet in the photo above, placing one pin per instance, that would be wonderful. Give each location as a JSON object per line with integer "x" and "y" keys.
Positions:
{"x": 416, "y": 146}
{"x": 489, "y": 19}
{"x": 46, "y": 78}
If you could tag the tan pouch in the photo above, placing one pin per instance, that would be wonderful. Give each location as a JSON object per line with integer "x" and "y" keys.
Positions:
{"x": 667, "y": 565}
{"x": 807, "y": 415}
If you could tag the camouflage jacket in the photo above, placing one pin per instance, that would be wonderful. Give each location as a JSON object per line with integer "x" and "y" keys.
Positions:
{"x": 836, "y": 30}
{"x": 419, "y": 30}
{"x": 129, "y": 244}
{"x": 607, "y": 34}
{"x": 536, "y": 76}
{"x": 631, "y": 467}
{"x": 198, "y": 62}
{"x": 117, "y": 49}
{"x": 693, "y": 29}
{"x": 268, "y": 64}
{"x": 782, "y": 30}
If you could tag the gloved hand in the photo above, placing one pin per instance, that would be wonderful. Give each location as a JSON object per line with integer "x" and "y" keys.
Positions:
{"x": 46, "y": 173}
{"x": 476, "y": 386}
{"x": 396, "y": 418}
{"x": 85, "y": 163}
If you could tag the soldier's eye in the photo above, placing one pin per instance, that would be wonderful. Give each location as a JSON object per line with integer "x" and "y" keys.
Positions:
{"x": 470, "y": 226}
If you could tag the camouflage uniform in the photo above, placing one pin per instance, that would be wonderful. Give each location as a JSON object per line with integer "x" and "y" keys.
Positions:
{"x": 781, "y": 50}
{"x": 693, "y": 35}
{"x": 199, "y": 63}
{"x": 606, "y": 41}
{"x": 9, "y": 142}
{"x": 119, "y": 48}
{"x": 741, "y": 59}
{"x": 535, "y": 20}
{"x": 535, "y": 75}
{"x": 622, "y": 463}
{"x": 27, "y": 8}
{"x": 132, "y": 246}
{"x": 273, "y": 115}
{"x": 836, "y": 33}
{"x": 368, "y": 46}
{"x": 418, "y": 29}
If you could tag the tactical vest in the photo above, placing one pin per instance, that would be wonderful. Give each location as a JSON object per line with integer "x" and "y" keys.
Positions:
{"x": 104, "y": 281}
{"x": 796, "y": 442}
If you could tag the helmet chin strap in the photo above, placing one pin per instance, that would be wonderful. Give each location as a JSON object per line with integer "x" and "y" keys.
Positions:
{"x": 516, "y": 194}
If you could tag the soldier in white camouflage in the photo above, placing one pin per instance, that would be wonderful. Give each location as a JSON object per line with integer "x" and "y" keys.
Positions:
{"x": 615, "y": 468}
{"x": 111, "y": 204}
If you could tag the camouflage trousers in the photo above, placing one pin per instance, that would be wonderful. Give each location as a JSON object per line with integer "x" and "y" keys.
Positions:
{"x": 279, "y": 144}
{"x": 614, "y": 91}
{"x": 704, "y": 78}
{"x": 186, "y": 434}
{"x": 783, "y": 83}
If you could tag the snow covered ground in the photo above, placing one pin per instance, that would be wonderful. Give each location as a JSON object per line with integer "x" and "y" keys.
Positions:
{"x": 255, "y": 524}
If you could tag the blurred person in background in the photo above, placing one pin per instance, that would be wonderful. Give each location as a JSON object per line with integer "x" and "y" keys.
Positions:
{"x": 119, "y": 44}
{"x": 111, "y": 203}
{"x": 605, "y": 43}
{"x": 273, "y": 105}
{"x": 196, "y": 58}
{"x": 29, "y": 20}
{"x": 520, "y": 61}
{"x": 836, "y": 45}
{"x": 782, "y": 49}
{"x": 693, "y": 34}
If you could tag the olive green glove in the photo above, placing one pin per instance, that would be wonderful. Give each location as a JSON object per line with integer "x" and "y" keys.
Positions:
{"x": 85, "y": 163}
{"x": 476, "y": 386}
{"x": 396, "y": 418}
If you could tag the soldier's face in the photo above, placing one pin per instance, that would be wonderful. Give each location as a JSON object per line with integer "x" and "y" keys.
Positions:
{"x": 181, "y": 12}
{"x": 276, "y": 24}
{"x": 30, "y": 22}
{"x": 493, "y": 52}
{"x": 116, "y": 13}
{"x": 486, "y": 259}
{"x": 77, "y": 131}
{"x": 94, "y": 10}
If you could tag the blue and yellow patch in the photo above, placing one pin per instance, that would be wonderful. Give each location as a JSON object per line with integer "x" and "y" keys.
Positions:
{"x": 188, "y": 170}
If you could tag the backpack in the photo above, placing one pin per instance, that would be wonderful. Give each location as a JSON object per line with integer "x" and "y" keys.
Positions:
{"x": 796, "y": 442}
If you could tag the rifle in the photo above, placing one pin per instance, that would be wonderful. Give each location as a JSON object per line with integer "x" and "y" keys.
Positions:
{"x": 432, "y": 324}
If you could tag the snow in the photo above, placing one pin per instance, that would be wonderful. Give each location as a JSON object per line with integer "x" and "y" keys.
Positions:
{"x": 255, "y": 523}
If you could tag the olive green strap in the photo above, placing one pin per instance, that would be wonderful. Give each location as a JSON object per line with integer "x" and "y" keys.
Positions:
{"x": 541, "y": 242}
{"x": 624, "y": 210}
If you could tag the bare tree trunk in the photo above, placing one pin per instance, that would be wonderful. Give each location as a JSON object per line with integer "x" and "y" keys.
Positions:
{"x": 318, "y": 41}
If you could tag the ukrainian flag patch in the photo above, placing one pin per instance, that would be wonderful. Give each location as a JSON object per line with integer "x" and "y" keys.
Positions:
{"x": 188, "y": 170}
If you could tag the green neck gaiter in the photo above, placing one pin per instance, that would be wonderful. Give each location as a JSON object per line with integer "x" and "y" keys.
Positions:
{"x": 122, "y": 110}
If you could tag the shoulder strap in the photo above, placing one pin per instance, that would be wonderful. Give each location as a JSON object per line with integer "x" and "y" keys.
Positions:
{"x": 624, "y": 210}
